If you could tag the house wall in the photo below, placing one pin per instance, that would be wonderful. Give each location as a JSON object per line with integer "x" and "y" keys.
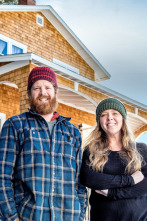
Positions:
{"x": 9, "y": 100}
{"x": 44, "y": 41}
{"x": 19, "y": 77}
{"x": 77, "y": 116}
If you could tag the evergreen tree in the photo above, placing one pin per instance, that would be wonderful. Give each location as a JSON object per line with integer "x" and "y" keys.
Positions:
{"x": 15, "y": 2}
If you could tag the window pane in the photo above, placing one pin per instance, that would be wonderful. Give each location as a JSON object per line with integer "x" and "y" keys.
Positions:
{"x": 3, "y": 47}
{"x": 16, "y": 50}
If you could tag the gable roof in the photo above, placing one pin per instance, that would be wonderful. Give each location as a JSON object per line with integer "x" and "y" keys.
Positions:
{"x": 52, "y": 16}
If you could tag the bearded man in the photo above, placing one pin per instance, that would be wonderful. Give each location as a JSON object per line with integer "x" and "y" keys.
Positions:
{"x": 40, "y": 159}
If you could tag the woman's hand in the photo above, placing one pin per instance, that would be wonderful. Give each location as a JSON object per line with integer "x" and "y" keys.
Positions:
{"x": 137, "y": 176}
{"x": 17, "y": 219}
{"x": 103, "y": 192}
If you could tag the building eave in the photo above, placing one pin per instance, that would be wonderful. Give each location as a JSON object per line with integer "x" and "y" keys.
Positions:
{"x": 23, "y": 59}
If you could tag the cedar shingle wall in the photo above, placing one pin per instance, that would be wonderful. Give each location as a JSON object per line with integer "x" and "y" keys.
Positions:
{"x": 77, "y": 116}
{"x": 9, "y": 100}
{"x": 44, "y": 41}
{"x": 19, "y": 77}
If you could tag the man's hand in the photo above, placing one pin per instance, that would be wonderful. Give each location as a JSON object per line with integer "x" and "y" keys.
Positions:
{"x": 17, "y": 219}
{"x": 103, "y": 192}
{"x": 137, "y": 176}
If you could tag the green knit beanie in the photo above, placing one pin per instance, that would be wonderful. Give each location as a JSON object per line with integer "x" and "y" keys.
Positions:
{"x": 110, "y": 103}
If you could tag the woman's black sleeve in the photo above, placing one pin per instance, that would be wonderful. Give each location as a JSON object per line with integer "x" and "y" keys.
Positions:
{"x": 101, "y": 181}
{"x": 139, "y": 189}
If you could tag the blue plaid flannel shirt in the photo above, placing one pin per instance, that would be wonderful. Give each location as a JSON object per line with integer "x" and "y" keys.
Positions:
{"x": 39, "y": 173}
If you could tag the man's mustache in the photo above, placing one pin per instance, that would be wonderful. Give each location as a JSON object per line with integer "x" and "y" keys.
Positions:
{"x": 42, "y": 97}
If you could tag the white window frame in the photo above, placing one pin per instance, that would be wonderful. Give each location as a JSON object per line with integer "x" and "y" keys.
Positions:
{"x": 11, "y": 42}
{"x": 2, "y": 119}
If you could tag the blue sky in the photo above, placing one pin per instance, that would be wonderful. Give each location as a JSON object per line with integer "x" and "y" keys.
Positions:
{"x": 116, "y": 33}
{"x": 143, "y": 138}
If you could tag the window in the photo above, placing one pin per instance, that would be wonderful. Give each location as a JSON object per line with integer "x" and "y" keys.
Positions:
{"x": 16, "y": 50}
{"x": 3, "y": 47}
{"x": 10, "y": 46}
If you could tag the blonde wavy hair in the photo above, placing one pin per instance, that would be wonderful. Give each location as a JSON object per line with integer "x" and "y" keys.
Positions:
{"x": 98, "y": 145}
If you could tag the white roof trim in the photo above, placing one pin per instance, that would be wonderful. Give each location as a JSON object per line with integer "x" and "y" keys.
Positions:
{"x": 138, "y": 117}
{"x": 9, "y": 83}
{"x": 37, "y": 60}
{"x": 63, "y": 98}
{"x": 13, "y": 66}
{"x": 67, "y": 33}
{"x": 79, "y": 93}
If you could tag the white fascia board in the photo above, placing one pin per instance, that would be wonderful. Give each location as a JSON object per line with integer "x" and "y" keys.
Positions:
{"x": 67, "y": 33}
{"x": 21, "y": 8}
{"x": 15, "y": 57}
{"x": 72, "y": 76}
{"x": 12, "y": 66}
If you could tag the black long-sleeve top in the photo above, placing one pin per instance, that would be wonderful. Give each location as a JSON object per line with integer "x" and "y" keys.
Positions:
{"x": 126, "y": 201}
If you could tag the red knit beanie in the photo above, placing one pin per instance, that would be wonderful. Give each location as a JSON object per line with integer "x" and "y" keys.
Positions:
{"x": 41, "y": 73}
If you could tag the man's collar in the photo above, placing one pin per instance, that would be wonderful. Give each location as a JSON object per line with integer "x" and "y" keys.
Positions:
{"x": 55, "y": 116}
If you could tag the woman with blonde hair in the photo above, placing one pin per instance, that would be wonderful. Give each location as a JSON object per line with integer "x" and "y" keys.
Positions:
{"x": 114, "y": 167}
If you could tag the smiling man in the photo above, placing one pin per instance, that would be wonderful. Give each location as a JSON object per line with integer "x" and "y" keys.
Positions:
{"x": 40, "y": 159}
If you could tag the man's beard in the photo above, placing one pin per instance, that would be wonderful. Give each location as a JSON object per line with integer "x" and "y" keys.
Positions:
{"x": 44, "y": 108}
